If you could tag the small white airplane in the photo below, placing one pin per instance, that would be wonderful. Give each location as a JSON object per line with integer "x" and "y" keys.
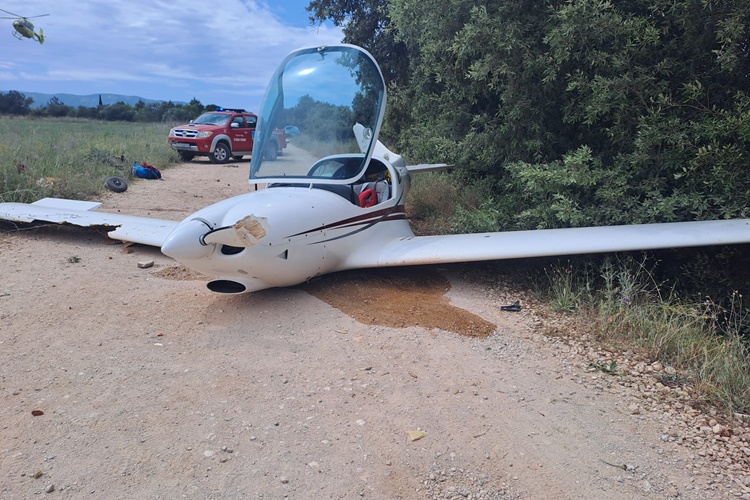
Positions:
{"x": 335, "y": 201}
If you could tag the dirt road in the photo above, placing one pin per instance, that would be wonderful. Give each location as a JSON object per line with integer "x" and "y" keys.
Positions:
{"x": 153, "y": 387}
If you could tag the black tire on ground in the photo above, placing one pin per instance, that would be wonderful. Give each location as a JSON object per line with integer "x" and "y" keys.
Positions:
{"x": 272, "y": 151}
{"x": 116, "y": 184}
{"x": 186, "y": 155}
{"x": 221, "y": 153}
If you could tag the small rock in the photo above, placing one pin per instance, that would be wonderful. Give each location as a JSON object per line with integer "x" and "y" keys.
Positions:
{"x": 145, "y": 264}
{"x": 284, "y": 479}
{"x": 50, "y": 488}
{"x": 634, "y": 409}
{"x": 416, "y": 435}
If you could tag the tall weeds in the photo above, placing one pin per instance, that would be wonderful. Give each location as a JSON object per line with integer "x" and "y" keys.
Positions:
{"x": 440, "y": 203}
{"x": 630, "y": 307}
{"x": 72, "y": 158}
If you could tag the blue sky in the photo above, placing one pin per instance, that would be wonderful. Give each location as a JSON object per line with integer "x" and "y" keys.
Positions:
{"x": 222, "y": 52}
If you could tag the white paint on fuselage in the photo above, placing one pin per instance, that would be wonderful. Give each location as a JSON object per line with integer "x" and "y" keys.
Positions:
{"x": 308, "y": 232}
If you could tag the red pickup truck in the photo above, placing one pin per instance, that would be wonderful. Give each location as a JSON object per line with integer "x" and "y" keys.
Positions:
{"x": 222, "y": 135}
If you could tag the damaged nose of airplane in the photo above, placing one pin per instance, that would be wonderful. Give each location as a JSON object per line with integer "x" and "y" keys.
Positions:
{"x": 186, "y": 243}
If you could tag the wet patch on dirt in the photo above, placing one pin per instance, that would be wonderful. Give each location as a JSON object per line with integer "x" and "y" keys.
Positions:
{"x": 397, "y": 298}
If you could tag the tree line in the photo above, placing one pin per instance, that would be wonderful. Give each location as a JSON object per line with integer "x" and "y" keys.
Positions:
{"x": 569, "y": 112}
{"x": 16, "y": 103}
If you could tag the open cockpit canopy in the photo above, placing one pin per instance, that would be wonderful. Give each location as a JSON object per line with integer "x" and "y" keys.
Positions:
{"x": 335, "y": 96}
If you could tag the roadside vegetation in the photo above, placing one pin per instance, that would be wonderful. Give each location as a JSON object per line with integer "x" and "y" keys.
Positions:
{"x": 626, "y": 307}
{"x": 685, "y": 308}
{"x": 72, "y": 158}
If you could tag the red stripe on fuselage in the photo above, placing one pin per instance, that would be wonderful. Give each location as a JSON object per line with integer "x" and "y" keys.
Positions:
{"x": 386, "y": 214}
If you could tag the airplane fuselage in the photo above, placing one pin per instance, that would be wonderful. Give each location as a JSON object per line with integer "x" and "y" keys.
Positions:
{"x": 282, "y": 236}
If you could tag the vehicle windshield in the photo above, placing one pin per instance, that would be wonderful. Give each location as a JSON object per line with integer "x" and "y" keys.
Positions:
{"x": 219, "y": 119}
{"x": 335, "y": 97}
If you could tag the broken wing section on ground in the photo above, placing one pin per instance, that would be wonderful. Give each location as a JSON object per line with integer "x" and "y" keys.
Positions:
{"x": 553, "y": 242}
{"x": 125, "y": 228}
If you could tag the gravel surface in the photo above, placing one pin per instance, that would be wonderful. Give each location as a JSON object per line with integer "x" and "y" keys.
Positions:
{"x": 121, "y": 380}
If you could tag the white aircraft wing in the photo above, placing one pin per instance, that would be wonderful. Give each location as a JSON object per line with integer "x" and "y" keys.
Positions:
{"x": 550, "y": 242}
{"x": 127, "y": 228}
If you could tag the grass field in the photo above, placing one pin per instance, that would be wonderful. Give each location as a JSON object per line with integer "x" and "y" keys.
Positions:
{"x": 72, "y": 158}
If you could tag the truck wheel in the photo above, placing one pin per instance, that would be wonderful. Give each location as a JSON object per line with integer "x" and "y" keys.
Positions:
{"x": 221, "y": 153}
{"x": 186, "y": 155}
{"x": 272, "y": 151}
{"x": 116, "y": 184}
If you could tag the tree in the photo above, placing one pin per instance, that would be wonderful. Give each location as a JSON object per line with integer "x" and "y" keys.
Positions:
{"x": 476, "y": 95}
{"x": 653, "y": 89}
{"x": 119, "y": 111}
{"x": 56, "y": 108}
{"x": 15, "y": 103}
{"x": 177, "y": 114}
{"x": 194, "y": 108}
{"x": 87, "y": 112}
{"x": 366, "y": 23}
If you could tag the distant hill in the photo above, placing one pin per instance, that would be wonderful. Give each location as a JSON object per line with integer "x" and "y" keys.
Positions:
{"x": 89, "y": 101}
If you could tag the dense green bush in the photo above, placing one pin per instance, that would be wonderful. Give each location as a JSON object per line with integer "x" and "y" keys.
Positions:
{"x": 582, "y": 111}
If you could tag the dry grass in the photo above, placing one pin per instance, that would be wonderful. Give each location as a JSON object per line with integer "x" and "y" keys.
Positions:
{"x": 71, "y": 158}
{"x": 435, "y": 198}
{"x": 705, "y": 342}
